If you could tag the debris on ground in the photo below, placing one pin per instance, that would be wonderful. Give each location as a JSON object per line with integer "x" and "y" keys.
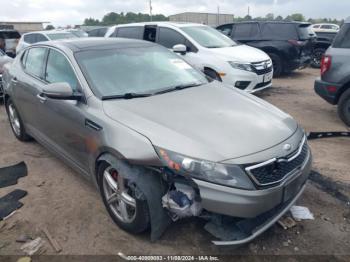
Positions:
{"x": 24, "y": 238}
{"x": 52, "y": 241}
{"x": 10, "y": 202}
{"x": 24, "y": 259}
{"x": 301, "y": 213}
{"x": 287, "y": 222}
{"x": 325, "y": 218}
{"x": 9, "y": 175}
{"x": 33, "y": 247}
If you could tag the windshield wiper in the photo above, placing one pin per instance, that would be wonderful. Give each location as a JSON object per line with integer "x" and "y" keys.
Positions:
{"x": 125, "y": 96}
{"x": 178, "y": 87}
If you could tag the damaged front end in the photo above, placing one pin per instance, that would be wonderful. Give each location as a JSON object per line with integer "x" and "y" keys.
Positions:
{"x": 237, "y": 209}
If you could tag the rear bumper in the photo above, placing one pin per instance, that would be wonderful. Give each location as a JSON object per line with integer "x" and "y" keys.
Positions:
{"x": 252, "y": 203}
{"x": 322, "y": 89}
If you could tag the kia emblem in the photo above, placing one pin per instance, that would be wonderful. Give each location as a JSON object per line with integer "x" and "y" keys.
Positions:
{"x": 287, "y": 147}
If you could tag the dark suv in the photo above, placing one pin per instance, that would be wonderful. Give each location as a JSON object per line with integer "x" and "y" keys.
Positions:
{"x": 11, "y": 38}
{"x": 334, "y": 84}
{"x": 289, "y": 44}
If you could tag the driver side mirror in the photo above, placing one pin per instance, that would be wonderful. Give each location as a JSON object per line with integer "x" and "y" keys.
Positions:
{"x": 62, "y": 91}
{"x": 181, "y": 49}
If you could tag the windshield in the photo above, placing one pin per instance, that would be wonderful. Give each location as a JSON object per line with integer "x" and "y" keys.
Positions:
{"x": 208, "y": 37}
{"x": 58, "y": 36}
{"x": 141, "y": 70}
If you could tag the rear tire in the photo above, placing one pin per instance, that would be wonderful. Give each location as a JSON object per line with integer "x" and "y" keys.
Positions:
{"x": 277, "y": 65}
{"x": 135, "y": 218}
{"x": 316, "y": 57}
{"x": 16, "y": 121}
{"x": 344, "y": 107}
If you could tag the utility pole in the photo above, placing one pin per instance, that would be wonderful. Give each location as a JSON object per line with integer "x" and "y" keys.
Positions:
{"x": 218, "y": 17}
{"x": 150, "y": 9}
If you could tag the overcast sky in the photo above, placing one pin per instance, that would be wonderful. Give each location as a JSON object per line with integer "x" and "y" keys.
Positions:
{"x": 71, "y": 12}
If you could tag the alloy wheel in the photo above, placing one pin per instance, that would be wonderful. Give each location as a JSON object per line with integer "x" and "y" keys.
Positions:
{"x": 117, "y": 195}
{"x": 14, "y": 119}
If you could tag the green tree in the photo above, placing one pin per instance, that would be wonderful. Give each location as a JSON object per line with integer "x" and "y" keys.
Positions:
{"x": 269, "y": 17}
{"x": 279, "y": 18}
{"x": 297, "y": 17}
{"x": 91, "y": 21}
{"x": 49, "y": 27}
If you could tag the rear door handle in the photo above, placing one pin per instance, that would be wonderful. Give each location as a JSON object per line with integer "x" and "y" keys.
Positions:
{"x": 41, "y": 98}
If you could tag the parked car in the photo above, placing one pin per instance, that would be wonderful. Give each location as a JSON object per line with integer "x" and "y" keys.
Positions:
{"x": 289, "y": 44}
{"x": 323, "y": 41}
{"x": 77, "y": 32}
{"x": 42, "y": 36}
{"x": 151, "y": 131}
{"x": 326, "y": 28}
{"x": 206, "y": 49}
{"x": 98, "y": 32}
{"x": 4, "y": 59}
{"x": 334, "y": 83}
{"x": 11, "y": 37}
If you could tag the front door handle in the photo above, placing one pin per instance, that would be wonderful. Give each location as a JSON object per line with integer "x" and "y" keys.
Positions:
{"x": 41, "y": 98}
{"x": 14, "y": 80}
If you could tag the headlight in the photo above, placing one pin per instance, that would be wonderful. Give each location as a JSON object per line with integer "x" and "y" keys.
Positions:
{"x": 223, "y": 174}
{"x": 242, "y": 66}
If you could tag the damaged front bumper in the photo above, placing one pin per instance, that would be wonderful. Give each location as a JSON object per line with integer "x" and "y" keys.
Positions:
{"x": 257, "y": 210}
{"x": 262, "y": 222}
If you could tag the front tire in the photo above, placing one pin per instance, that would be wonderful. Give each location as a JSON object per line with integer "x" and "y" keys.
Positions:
{"x": 128, "y": 212}
{"x": 344, "y": 107}
{"x": 16, "y": 121}
{"x": 277, "y": 65}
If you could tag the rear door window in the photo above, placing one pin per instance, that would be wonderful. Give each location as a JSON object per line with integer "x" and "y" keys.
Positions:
{"x": 246, "y": 31}
{"x": 41, "y": 38}
{"x": 279, "y": 31}
{"x": 58, "y": 69}
{"x": 342, "y": 40}
{"x": 135, "y": 32}
{"x": 225, "y": 29}
{"x": 168, "y": 37}
{"x": 35, "y": 61}
{"x": 30, "y": 38}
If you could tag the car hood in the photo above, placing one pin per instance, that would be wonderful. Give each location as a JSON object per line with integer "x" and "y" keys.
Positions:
{"x": 240, "y": 53}
{"x": 212, "y": 122}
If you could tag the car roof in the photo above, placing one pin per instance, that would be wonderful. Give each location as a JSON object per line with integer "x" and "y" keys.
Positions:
{"x": 270, "y": 22}
{"x": 96, "y": 43}
{"x": 165, "y": 23}
{"x": 48, "y": 32}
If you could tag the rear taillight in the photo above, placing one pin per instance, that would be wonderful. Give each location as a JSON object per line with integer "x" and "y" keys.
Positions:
{"x": 326, "y": 63}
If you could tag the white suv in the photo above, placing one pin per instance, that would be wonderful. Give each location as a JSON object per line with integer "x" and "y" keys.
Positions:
{"x": 207, "y": 49}
{"x": 42, "y": 36}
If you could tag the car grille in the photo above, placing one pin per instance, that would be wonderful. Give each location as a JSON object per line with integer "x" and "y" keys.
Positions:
{"x": 277, "y": 170}
{"x": 263, "y": 67}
